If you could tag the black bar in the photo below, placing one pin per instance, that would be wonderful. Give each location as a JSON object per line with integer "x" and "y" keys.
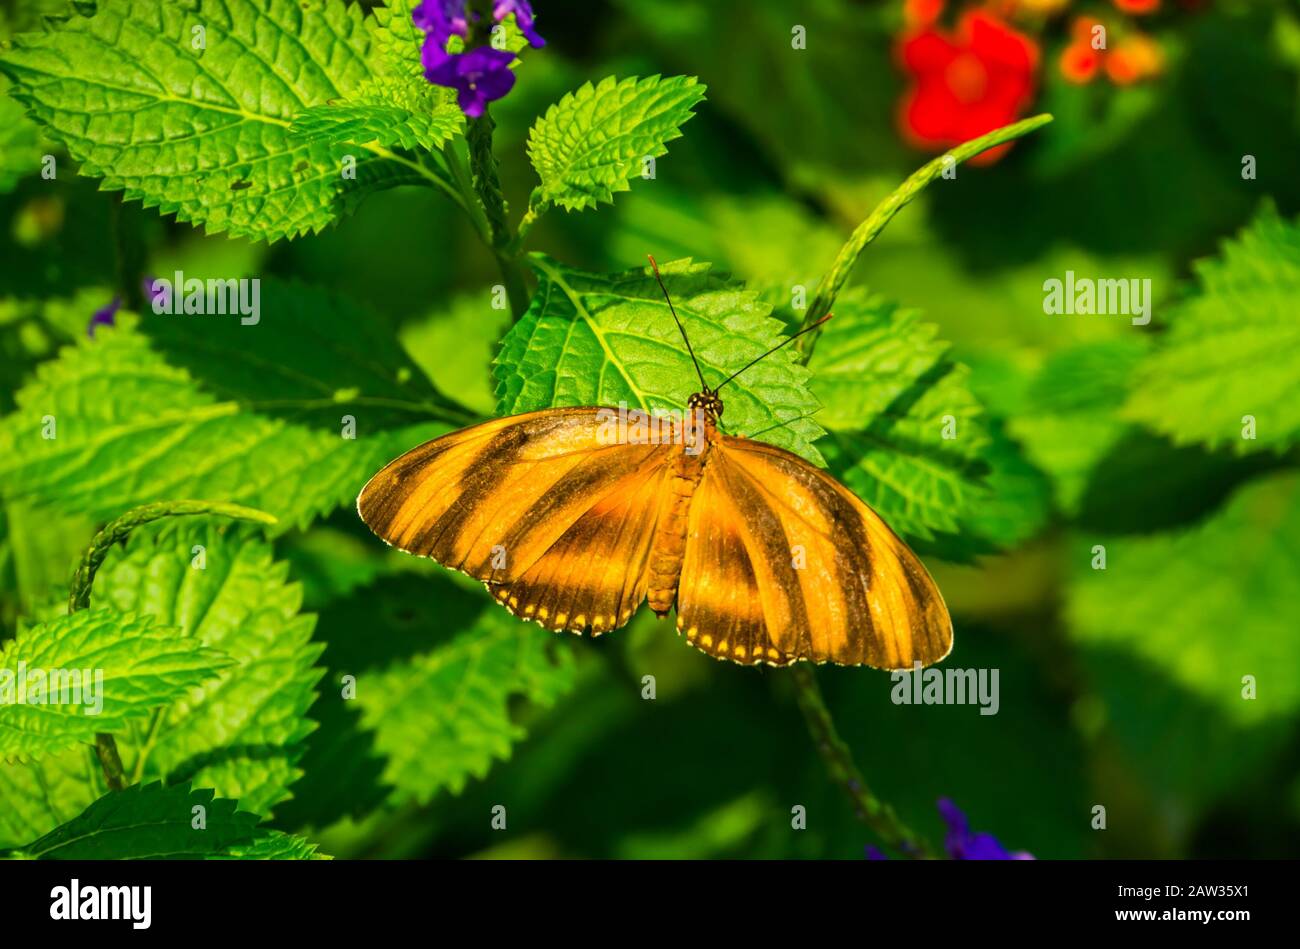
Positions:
{"x": 332, "y": 898}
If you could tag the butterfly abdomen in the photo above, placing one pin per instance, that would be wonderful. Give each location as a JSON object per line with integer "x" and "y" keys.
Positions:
{"x": 669, "y": 544}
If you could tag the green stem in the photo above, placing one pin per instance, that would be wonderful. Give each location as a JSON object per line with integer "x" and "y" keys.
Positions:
{"x": 526, "y": 223}
{"x": 459, "y": 171}
{"x": 829, "y": 287}
{"x": 835, "y": 754}
{"x": 512, "y": 277}
{"x": 537, "y": 206}
{"x": 83, "y": 581}
{"x": 110, "y": 761}
{"x": 487, "y": 180}
{"x": 427, "y": 173}
{"x": 487, "y": 185}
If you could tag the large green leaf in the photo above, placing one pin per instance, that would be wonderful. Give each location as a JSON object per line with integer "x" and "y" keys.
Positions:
{"x": 470, "y": 327}
{"x": 892, "y": 394}
{"x": 1069, "y": 420}
{"x": 42, "y": 794}
{"x": 112, "y": 668}
{"x": 606, "y": 339}
{"x": 443, "y": 682}
{"x": 131, "y": 429}
{"x": 241, "y": 734}
{"x": 312, "y": 357}
{"x": 1206, "y": 606}
{"x": 205, "y": 133}
{"x": 373, "y": 120}
{"x": 1232, "y": 350}
{"x": 442, "y": 717}
{"x": 593, "y": 142}
{"x": 154, "y": 822}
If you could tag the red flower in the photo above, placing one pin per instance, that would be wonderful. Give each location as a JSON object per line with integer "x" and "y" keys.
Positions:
{"x": 1135, "y": 58}
{"x": 967, "y": 83}
{"x": 922, "y": 12}
{"x": 1138, "y": 6}
{"x": 1080, "y": 62}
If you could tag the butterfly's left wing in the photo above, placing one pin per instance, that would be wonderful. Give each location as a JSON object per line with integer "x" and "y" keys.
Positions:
{"x": 784, "y": 563}
{"x": 550, "y": 511}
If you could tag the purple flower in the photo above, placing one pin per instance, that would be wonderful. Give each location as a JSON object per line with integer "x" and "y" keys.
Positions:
{"x": 480, "y": 76}
{"x": 105, "y": 316}
{"x": 441, "y": 20}
{"x": 159, "y": 299}
{"x": 523, "y": 11}
{"x": 963, "y": 845}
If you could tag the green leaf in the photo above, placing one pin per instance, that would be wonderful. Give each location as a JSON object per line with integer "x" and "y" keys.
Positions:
{"x": 38, "y": 547}
{"x": 1018, "y": 503}
{"x": 1207, "y": 605}
{"x": 891, "y": 393}
{"x": 20, "y": 145}
{"x": 363, "y": 121}
{"x": 130, "y": 429}
{"x": 112, "y": 670}
{"x": 1231, "y": 349}
{"x": 205, "y": 133}
{"x": 151, "y": 822}
{"x": 40, "y": 795}
{"x": 396, "y": 105}
{"x": 871, "y": 355}
{"x": 784, "y": 245}
{"x": 1070, "y": 420}
{"x": 445, "y": 682}
{"x": 271, "y": 845}
{"x": 32, "y": 331}
{"x": 602, "y": 339}
{"x": 312, "y": 356}
{"x": 470, "y": 327}
{"x": 241, "y": 734}
{"x": 442, "y": 717}
{"x": 148, "y": 823}
{"x": 329, "y": 563}
{"x": 592, "y": 143}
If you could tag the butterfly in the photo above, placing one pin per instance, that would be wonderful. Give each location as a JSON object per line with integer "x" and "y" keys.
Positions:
{"x": 572, "y": 517}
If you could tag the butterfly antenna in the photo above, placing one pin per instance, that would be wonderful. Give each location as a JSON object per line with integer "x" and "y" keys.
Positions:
{"x": 784, "y": 342}
{"x": 782, "y": 424}
{"x": 673, "y": 310}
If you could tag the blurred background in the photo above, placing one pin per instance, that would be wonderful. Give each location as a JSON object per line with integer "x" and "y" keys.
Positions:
{"x": 1119, "y": 689}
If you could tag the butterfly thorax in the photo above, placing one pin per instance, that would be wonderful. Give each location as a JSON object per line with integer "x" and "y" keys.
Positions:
{"x": 669, "y": 543}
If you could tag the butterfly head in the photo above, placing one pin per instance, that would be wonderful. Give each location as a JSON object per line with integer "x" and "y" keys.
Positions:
{"x": 708, "y": 401}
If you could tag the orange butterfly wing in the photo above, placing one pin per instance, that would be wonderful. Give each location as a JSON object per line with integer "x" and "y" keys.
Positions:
{"x": 784, "y": 563}
{"x": 544, "y": 508}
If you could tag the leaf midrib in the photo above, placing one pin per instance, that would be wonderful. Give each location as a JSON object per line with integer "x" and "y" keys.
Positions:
{"x": 580, "y": 307}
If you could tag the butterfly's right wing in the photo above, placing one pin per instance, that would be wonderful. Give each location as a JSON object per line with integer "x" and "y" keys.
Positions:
{"x": 785, "y": 563}
{"x": 550, "y": 511}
